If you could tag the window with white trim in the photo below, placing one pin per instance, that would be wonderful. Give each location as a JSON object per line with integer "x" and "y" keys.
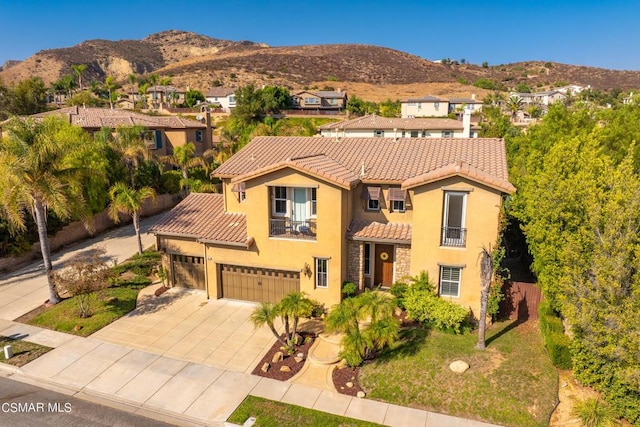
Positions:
{"x": 242, "y": 195}
{"x": 414, "y": 134}
{"x": 322, "y": 272}
{"x": 450, "y": 281}
{"x": 447, "y": 134}
{"x": 397, "y": 206}
{"x": 312, "y": 101}
{"x": 378, "y": 133}
{"x": 280, "y": 201}
{"x": 373, "y": 205}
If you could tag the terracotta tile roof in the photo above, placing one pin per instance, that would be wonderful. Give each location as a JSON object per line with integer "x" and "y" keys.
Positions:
{"x": 464, "y": 101}
{"x": 96, "y": 118}
{"x": 202, "y": 216}
{"x": 220, "y": 91}
{"x": 384, "y": 160}
{"x": 387, "y": 123}
{"x": 461, "y": 169}
{"x": 322, "y": 93}
{"x": 426, "y": 98}
{"x": 161, "y": 88}
{"x": 372, "y": 231}
{"x": 316, "y": 165}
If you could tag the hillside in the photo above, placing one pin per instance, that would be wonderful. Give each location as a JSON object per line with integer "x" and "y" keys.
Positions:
{"x": 198, "y": 61}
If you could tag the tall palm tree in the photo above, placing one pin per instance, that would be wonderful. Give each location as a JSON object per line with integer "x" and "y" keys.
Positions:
{"x": 39, "y": 165}
{"x": 132, "y": 81}
{"x": 110, "y": 85}
{"x": 142, "y": 90}
{"x": 79, "y": 69}
{"x": 154, "y": 79}
{"x": 514, "y": 104}
{"x": 127, "y": 200}
{"x": 184, "y": 157}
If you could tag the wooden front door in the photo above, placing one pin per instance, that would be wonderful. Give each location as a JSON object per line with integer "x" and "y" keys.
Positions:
{"x": 383, "y": 265}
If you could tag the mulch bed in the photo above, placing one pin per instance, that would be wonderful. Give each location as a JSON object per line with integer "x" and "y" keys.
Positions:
{"x": 274, "y": 371}
{"x": 342, "y": 376}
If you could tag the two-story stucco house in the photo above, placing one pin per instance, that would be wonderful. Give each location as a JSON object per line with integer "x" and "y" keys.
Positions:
{"x": 373, "y": 126}
{"x": 224, "y": 96}
{"x": 319, "y": 100}
{"x": 427, "y": 106}
{"x": 305, "y": 213}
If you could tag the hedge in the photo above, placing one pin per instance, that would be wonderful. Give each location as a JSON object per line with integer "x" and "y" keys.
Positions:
{"x": 555, "y": 340}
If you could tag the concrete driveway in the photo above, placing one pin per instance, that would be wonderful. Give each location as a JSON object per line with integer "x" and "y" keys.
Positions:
{"x": 183, "y": 324}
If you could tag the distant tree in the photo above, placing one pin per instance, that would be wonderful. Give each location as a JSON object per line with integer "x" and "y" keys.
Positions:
{"x": 153, "y": 80}
{"x": 132, "y": 81}
{"x": 192, "y": 97}
{"x": 142, "y": 90}
{"x": 275, "y": 98}
{"x": 79, "y": 69}
{"x": 248, "y": 104}
{"x": 129, "y": 201}
{"x": 485, "y": 64}
{"x": 28, "y": 97}
{"x": 84, "y": 98}
{"x": 110, "y": 86}
{"x": 184, "y": 157}
{"x": 514, "y": 104}
{"x": 390, "y": 108}
{"x": 523, "y": 88}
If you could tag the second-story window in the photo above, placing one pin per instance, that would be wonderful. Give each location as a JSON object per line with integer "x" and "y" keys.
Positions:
{"x": 447, "y": 134}
{"x": 397, "y": 198}
{"x": 378, "y": 133}
{"x": 242, "y": 196}
{"x": 371, "y": 195}
{"x": 453, "y": 223}
{"x": 280, "y": 201}
{"x": 314, "y": 202}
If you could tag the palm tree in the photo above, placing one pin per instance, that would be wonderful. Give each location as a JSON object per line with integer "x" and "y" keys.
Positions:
{"x": 132, "y": 81}
{"x": 142, "y": 90}
{"x": 130, "y": 146}
{"x": 154, "y": 79}
{"x": 293, "y": 306}
{"x": 127, "y": 200}
{"x": 110, "y": 85}
{"x": 164, "y": 82}
{"x": 38, "y": 165}
{"x": 183, "y": 157}
{"x": 79, "y": 69}
{"x": 514, "y": 105}
{"x": 265, "y": 314}
{"x": 486, "y": 273}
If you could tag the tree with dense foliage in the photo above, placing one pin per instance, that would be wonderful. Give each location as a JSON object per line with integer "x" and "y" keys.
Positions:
{"x": 129, "y": 201}
{"x": 129, "y": 144}
{"x": 390, "y": 108}
{"x": 153, "y": 80}
{"x": 523, "y": 88}
{"x": 579, "y": 202}
{"x": 192, "y": 97}
{"x": 28, "y": 97}
{"x": 84, "y": 98}
{"x": 44, "y": 165}
{"x": 249, "y": 105}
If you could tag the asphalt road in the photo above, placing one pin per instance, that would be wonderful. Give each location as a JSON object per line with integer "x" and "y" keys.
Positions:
{"x": 25, "y": 405}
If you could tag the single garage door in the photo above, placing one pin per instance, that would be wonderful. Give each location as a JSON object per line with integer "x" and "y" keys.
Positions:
{"x": 258, "y": 284}
{"x": 188, "y": 271}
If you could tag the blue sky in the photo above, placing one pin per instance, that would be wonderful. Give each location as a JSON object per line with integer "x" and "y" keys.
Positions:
{"x": 588, "y": 32}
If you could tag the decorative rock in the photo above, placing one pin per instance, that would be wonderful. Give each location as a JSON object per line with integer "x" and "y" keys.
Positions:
{"x": 300, "y": 355}
{"x": 285, "y": 369}
{"x": 265, "y": 367}
{"x": 277, "y": 357}
{"x": 297, "y": 339}
{"x": 349, "y": 384}
{"x": 459, "y": 366}
{"x": 298, "y": 359}
{"x": 361, "y": 394}
{"x": 341, "y": 364}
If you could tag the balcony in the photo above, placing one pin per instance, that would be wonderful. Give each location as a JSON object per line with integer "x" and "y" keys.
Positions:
{"x": 288, "y": 229}
{"x": 454, "y": 237}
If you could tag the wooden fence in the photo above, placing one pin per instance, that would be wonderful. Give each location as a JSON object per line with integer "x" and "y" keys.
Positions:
{"x": 521, "y": 300}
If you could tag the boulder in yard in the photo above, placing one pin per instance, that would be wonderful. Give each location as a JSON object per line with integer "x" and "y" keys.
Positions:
{"x": 265, "y": 367}
{"x": 459, "y": 366}
{"x": 285, "y": 369}
{"x": 277, "y": 357}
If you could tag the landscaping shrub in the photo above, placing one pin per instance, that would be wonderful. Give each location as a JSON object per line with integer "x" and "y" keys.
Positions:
{"x": 399, "y": 290}
{"x": 349, "y": 289}
{"x": 425, "y": 306}
{"x": 170, "y": 182}
{"x": 594, "y": 412}
{"x": 557, "y": 343}
{"x": 134, "y": 281}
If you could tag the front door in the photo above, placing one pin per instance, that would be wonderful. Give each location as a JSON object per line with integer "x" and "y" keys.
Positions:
{"x": 383, "y": 265}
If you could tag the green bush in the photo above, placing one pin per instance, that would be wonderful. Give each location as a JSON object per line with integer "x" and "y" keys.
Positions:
{"x": 134, "y": 281}
{"x": 594, "y": 412}
{"x": 557, "y": 343}
{"x": 170, "y": 182}
{"x": 349, "y": 289}
{"x": 399, "y": 290}
{"x": 426, "y": 306}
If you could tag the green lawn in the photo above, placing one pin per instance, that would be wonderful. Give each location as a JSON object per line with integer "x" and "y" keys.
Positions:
{"x": 269, "y": 413}
{"x": 112, "y": 304}
{"x": 108, "y": 305}
{"x": 23, "y": 351}
{"x": 511, "y": 383}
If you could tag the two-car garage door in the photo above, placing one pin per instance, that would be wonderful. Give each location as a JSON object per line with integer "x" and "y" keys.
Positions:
{"x": 257, "y": 284}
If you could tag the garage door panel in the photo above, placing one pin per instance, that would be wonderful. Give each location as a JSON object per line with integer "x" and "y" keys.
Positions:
{"x": 257, "y": 284}
{"x": 188, "y": 271}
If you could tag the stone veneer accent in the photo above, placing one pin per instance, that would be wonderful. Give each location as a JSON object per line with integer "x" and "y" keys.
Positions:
{"x": 355, "y": 264}
{"x": 403, "y": 261}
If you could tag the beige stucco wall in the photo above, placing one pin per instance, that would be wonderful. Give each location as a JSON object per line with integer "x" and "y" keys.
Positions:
{"x": 384, "y": 214}
{"x": 179, "y": 137}
{"x": 482, "y": 211}
{"x": 424, "y": 109}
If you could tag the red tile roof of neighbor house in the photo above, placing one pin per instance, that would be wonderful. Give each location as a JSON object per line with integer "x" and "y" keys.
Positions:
{"x": 405, "y": 161}
{"x": 220, "y": 91}
{"x": 96, "y": 118}
{"x": 373, "y": 121}
{"x": 377, "y": 231}
{"x": 202, "y": 216}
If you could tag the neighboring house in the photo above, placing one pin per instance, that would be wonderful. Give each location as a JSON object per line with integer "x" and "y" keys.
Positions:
{"x": 223, "y": 96}
{"x": 459, "y": 105}
{"x": 158, "y": 95}
{"x": 545, "y": 98}
{"x": 163, "y": 133}
{"x": 319, "y": 100}
{"x": 308, "y": 213}
{"x": 571, "y": 89}
{"x": 427, "y": 106}
{"x": 628, "y": 99}
{"x": 375, "y": 126}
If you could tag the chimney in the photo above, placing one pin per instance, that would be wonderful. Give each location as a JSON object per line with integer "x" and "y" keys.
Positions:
{"x": 466, "y": 123}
